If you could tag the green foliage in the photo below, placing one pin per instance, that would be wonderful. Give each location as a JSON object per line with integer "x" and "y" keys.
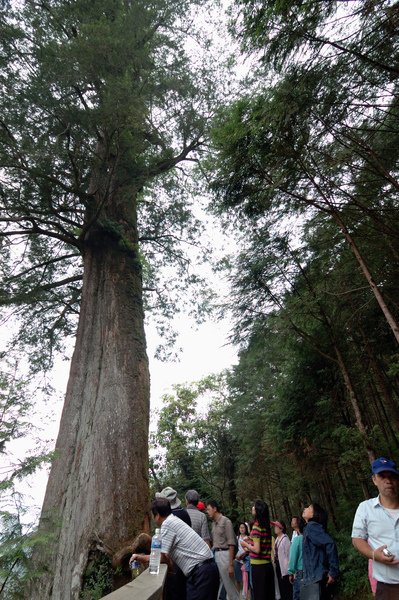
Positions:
{"x": 98, "y": 578}
{"x": 320, "y": 133}
{"x": 300, "y": 169}
{"x": 97, "y": 97}
{"x": 393, "y": 368}
{"x": 354, "y": 581}
{"x": 193, "y": 446}
{"x": 13, "y": 555}
{"x": 18, "y": 536}
{"x": 14, "y": 408}
{"x": 18, "y": 539}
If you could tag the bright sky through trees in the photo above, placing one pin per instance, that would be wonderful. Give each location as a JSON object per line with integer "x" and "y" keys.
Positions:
{"x": 201, "y": 349}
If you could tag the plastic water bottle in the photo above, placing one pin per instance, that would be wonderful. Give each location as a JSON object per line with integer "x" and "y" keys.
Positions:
{"x": 135, "y": 568}
{"x": 155, "y": 556}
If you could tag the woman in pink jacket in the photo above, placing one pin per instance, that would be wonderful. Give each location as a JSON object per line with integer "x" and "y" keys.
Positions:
{"x": 281, "y": 558}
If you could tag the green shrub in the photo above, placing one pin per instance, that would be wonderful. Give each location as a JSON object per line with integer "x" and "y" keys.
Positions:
{"x": 354, "y": 581}
{"x": 98, "y": 577}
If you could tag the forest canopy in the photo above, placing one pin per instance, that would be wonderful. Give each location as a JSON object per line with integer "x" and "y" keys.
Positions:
{"x": 102, "y": 108}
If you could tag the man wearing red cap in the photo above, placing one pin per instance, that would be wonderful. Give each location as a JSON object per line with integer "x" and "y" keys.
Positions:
{"x": 375, "y": 532}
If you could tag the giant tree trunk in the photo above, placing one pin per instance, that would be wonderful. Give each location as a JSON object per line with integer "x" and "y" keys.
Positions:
{"x": 97, "y": 493}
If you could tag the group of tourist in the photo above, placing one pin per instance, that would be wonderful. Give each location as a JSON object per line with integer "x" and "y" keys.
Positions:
{"x": 304, "y": 568}
{"x": 261, "y": 562}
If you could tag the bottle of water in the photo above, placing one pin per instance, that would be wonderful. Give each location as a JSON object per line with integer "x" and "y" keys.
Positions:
{"x": 135, "y": 568}
{"x": 155, "y": 556}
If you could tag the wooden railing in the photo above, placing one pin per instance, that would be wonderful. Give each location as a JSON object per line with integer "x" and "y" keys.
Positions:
{"x": 144, "y": 587}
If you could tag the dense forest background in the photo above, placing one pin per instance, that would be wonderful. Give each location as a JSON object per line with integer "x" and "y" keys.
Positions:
{"x": 300, "y": 165}
{"x": 305, "y": 176}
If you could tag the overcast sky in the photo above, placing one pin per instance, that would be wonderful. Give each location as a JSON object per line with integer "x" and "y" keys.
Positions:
{"x": 205, "y": 351}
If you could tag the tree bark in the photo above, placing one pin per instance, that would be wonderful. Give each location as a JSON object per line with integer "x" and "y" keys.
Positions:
{"x": 382, "y": 383}
{"x": 355, "y": 404}
{"x": 97, "y": 493}
{"x": 330, "y": 503}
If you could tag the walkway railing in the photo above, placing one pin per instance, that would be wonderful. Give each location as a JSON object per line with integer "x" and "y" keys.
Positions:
{"x": 144, "y": 587}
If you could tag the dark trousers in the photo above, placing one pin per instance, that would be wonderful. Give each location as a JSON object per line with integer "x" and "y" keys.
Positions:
{"x": 327, "y": 592}
{"x": 175, "y": 585}
{"x": 284, "y": 584}
{"x": 262, "y": 582}
{"x": 387, "y": 591}
{"x": 203, "y": 582}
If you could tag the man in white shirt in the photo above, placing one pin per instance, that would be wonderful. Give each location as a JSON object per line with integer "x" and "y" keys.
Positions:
{"x": 188, "y": 550}
{"x": 375, "y": 532}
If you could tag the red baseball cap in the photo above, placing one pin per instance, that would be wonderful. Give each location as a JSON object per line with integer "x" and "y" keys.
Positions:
{"x": 276, "y": 524}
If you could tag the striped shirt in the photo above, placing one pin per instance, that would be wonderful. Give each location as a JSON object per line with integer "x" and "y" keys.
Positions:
{"x": 185, "y": 547}
{"x": 265, "y": 537}
{"x": 199, "y": 522}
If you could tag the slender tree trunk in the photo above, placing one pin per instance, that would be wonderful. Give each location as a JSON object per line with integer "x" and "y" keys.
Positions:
{"x": 287, "y": 508}
{"x": 382, "y": 418}
{"x": 270, "y": 495}
{"x": 355, "y": 404}
{"x": 326, "y": 487}
{"x": 366, "y": 493}
{"x": 344, "y": 484}
{"x": 97, "y": 493}
{"x": 366, "y": 272}
{"x": 383, "y": 385}
{"x": 230, "y": 458}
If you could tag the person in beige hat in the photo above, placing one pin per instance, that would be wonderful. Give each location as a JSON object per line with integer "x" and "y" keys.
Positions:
{"x": 171, "y": 495}
{"x": 175, "y": 504}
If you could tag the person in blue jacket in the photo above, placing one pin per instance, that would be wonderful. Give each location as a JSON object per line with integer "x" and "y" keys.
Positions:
{"x": 319, "y": 556}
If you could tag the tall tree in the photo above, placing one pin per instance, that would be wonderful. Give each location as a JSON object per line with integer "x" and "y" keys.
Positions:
{"x": 99, "y": 99}
{"x": 312, "y": 150}
{"x": 320, "y": 133}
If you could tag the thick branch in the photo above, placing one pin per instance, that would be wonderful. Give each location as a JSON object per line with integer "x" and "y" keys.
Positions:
{"x": 38, "y": 231}
{"x": 43, "y": 264}
{"x": 167, "y": 164}
{"x": 31, "y": 296}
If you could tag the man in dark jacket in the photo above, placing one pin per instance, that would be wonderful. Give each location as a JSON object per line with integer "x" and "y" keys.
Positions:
{"x": 319, "y": 555}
